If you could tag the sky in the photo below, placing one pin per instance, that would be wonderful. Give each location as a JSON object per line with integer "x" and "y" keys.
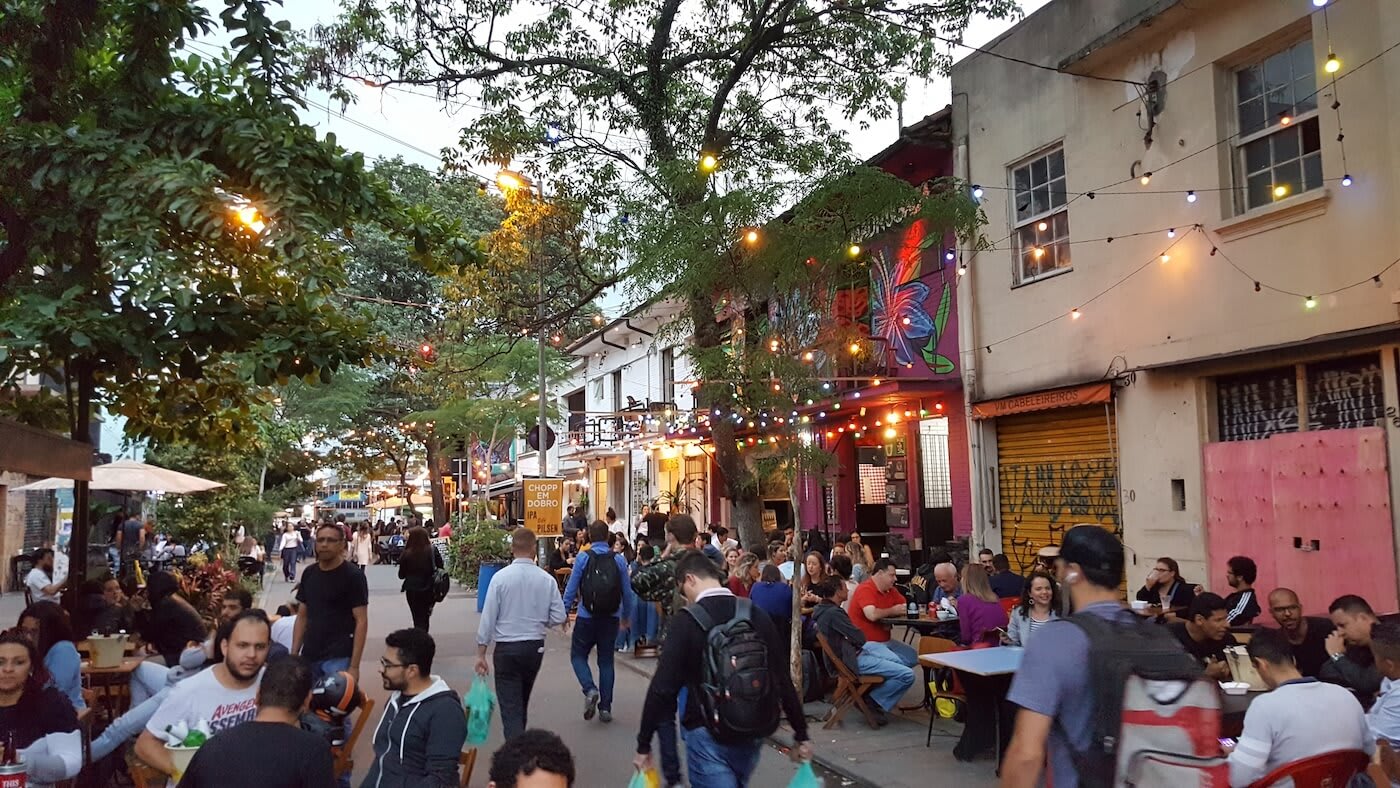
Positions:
{"x": 417, "y": 128}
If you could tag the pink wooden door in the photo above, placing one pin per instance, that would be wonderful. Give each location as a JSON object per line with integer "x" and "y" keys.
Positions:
{"x": 1240, "y": 509}
{"x": 1332, "y": 523}
{"x": 1313, "y": 511}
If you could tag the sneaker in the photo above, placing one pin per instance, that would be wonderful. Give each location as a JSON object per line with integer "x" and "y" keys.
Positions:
{"x": 605, "y": 715}
{"x": 590, "y": 704}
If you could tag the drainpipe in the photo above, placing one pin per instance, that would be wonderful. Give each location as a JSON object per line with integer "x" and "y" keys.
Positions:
{"x": 983, "y": 497}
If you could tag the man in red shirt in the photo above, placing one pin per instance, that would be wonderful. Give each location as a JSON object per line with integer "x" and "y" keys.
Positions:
{"x": 875, "y": 600}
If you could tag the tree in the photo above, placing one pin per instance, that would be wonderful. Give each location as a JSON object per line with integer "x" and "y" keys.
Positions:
{"x": 639, "y": 108}
{"x": 168, "y": 225}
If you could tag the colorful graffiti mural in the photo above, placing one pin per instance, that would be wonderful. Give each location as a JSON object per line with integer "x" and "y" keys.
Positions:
{"x": 911, "y": 301}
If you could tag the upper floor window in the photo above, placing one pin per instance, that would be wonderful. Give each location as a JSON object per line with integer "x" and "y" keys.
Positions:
{"x": 1279, "y": 146}
{"x": 1042, "y": 221}
{"x": 668, "y": 375}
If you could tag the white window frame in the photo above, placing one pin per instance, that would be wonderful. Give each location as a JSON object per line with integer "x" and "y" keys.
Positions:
{"x": 1272, "y": 127}
{"x": 1055, "y": 245}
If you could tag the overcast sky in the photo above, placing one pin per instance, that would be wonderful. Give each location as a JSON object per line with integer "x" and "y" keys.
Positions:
{"x": 417, "y": 128}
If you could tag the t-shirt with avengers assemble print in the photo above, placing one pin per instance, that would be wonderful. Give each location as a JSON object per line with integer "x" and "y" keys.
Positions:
{"x": 203, "y": 697}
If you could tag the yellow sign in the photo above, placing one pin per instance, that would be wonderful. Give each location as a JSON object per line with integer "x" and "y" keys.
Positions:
{"x": 544, "y": 506}
{"x": 449, "y": 488}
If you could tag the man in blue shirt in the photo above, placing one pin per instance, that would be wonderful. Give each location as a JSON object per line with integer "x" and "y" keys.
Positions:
{"x": 1052, "y": 687}
{"x": 605, "y": 605}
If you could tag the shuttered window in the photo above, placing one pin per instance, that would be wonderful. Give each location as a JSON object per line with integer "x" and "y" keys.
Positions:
{"x": 1256, "y": 405}
{"x": 1345, "y": 393}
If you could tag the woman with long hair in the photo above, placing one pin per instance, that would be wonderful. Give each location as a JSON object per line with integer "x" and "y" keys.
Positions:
{"x": 979, "y": 613}
{"x": 813, "y": 572}
{"x": 362, "y": 547}
{"x": 289, "y": 545}
{"x": 48, "y": 624}
{"x": 35, "y": 714}
{"x": 416, "y": 567}
{"x": 744, "y": 575}
{"x": 1040, "y": 602}
{"x": 172, "y": 622}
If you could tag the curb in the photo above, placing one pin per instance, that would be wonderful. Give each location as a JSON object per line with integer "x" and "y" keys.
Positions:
{"x": 778, "y": 739}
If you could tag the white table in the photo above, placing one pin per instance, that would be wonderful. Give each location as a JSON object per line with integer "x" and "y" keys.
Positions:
{"x": 997, "y": 661}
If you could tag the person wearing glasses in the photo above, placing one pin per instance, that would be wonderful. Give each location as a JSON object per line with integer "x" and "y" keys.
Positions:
{"x": 422, "y": 730}
{"x": 1306, "y": 635}
{"x": 330, "y": 629}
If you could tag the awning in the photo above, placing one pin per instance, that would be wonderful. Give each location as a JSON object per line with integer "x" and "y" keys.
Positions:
{"x": 397, "y": 503}
{"x": 1091, "y": 394}
{"x": 133, "y": 476}
{"x": 36, "y": 452}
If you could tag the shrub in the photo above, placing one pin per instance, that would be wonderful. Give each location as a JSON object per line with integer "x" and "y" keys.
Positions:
{"x": 473, "y": 544}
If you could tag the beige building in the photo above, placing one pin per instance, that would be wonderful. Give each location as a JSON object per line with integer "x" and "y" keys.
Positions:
{"x": 1186, "y": 327}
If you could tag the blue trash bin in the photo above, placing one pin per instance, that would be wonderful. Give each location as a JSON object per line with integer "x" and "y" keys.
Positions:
{"x": 483, "y": 582}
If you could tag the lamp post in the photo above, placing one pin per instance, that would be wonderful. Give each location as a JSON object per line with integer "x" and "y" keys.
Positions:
{"x": 508, "y": 181}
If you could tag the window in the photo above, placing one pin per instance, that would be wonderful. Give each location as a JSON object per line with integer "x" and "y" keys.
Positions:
{"x": 1279, "y": 146}
{"x": 668, "y": 375}
{"x": 1342, "y": 394}
{"x": 1042, "y": 222}
{"x": 933, "y": 456}
{"x": 617, "y": 390}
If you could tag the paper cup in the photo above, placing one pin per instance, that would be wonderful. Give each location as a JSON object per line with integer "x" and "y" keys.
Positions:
{"x": 180, "y": 757}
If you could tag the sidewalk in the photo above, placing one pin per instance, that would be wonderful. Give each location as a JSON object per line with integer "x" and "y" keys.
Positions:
{"x": 890, "y": 757}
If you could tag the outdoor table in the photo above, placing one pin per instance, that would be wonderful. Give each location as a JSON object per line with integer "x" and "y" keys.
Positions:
{"x": 113, "y": 683}
{"x": 925, "y": 624}
{"x": 986, "y": 680}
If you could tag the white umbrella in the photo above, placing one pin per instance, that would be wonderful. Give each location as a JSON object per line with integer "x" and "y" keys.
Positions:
{"x": 130, "y": 475}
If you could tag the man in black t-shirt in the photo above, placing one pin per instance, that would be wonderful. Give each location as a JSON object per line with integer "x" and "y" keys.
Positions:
{"x": 1307, "y": 635}
{"x": 1206, "y": 634}
{"x": 330, "y": 630}
{"x": 1241, "y": 606}
{"x": 271, "y": 751}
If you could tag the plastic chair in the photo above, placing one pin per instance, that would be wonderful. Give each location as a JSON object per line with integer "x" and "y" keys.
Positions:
{"x": 933, "y": 645}
{"x": 850, "y": 688}
{"x": 1328, "y": 770}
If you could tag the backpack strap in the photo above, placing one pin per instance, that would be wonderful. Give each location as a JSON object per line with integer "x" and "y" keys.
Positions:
{"x": 743, "y": 611}
{"x": 1095, "y": 765}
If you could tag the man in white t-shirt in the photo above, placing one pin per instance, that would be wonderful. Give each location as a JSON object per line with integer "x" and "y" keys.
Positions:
{"x": 44, "y": 585}
{"x": 224, "y": 695}
{"x": 282, "y": 628}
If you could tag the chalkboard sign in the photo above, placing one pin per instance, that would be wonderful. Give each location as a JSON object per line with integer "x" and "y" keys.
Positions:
{"x": 1345, "y": 394}
{"x": 1257, "y": 405}
{"x": 441, "y": 544}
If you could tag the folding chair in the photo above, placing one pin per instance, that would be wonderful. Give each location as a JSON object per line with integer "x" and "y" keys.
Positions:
{"x": 850, "y": 688}
{"x": 344, "y": 760}
{"x": 1328, "y": 770}
{"x": 468, "y": 761}
{"x": 933, "y": 645}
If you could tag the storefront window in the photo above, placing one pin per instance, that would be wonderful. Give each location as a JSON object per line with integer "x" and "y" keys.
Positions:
{"x": 933, "y": 458}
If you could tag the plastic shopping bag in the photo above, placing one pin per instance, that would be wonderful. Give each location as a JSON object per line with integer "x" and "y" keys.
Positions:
{"x": 647, "y": 779}
{"x": 805, "y": 777}
{"x": 479, "y": 702}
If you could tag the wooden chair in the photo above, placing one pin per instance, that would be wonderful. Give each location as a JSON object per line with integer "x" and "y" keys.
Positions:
{"x": 468, "y": 761}
{"x": 1385, "y": 769}
{"x": 1328, "y": 770}
{"x": 142, "y": 775}
{"x": 850, "y": 688}
{"x": 344, "y": 760}
{"x": 933, "y": 645}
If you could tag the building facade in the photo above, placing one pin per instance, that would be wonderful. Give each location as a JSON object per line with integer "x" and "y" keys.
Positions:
{"x": 1185, "y": 327}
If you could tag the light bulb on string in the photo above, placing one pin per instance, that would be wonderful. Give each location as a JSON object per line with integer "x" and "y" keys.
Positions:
{"x": 976, "y": 192}
{"x": 853, "y": 250}
{"x": 1165, "y": 258}
{"x": 962, "y": 269}
{"x": 950, "y": 255}
{"x": 751, "y": 237}
{"x": 1280, "y": 191}
{"x": 1075, "y": 314}
{"x": 1310, "y": 303}
{"x": 1043, "y": 226}
{"x": 1145, "y": 179}
{"x": 708, "y": 162}
{"x": 1285, "y": 119}
{"x": 1333, "y": 64}
{"x": 1191, "y": 196}
{"x": 1346, "y": 180}
{"x": 1171, "y": 233}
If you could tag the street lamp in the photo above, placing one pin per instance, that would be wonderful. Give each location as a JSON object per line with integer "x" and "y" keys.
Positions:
{"x": 508, "y": 181}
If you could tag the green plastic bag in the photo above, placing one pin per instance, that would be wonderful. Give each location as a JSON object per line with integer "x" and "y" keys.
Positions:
{"x": 646, "y": 779}
{"x": 805, "y": 777}
{"x": 479, "y": 702}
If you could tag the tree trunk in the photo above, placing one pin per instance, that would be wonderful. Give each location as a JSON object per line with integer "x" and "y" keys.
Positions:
{"x": 799, "y": 566}
{"x": 746, "y": 515}
{"x": 78, "y": 539}
{"x": 434, "y": 455}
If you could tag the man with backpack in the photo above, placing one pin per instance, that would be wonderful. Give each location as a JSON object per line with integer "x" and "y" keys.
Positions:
{"x": 1089, "y": 686}
{"x": 600, "y": 583}
{"x": 727, "y": 656}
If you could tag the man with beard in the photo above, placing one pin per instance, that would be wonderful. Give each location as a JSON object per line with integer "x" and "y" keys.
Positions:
{"x": 224, "y": 695}
{"x": 1306, "y": 635}
{"x": 420, "y": 735}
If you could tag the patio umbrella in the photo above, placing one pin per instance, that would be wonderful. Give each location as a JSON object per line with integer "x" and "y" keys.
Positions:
{"x": 130, "y": 475}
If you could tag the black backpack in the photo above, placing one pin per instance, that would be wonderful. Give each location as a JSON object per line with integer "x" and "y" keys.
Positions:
{"x": 600, "y": 588}
{"x": 737, "y": 694}
{"x": 1150, "y": 696}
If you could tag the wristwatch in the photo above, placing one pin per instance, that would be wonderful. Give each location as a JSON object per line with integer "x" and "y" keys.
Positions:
{"x": 1337, "y": 656}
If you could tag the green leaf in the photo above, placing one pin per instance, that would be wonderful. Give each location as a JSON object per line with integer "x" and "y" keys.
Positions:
{"x": 938, "y": 362}
{"x": 940, "y": 318}
{"x": 80, "y": 340}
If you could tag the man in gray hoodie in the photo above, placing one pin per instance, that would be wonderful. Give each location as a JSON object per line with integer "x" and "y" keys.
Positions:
{"x": 419, "y": 738}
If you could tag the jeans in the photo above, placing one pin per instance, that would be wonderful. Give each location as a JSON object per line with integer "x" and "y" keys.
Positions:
{"x": 902, "y": 651}
{"x": 148, "y": 680}
{"x": 591, "y": 633}
{"x": 128, "y": 726}
{"x": 876, "y": 659}
{"x": 289, "y": 564}
{"x": 516, "y": 664}
{"x": 114, "y": 560}
{"x": 714, "y": 764}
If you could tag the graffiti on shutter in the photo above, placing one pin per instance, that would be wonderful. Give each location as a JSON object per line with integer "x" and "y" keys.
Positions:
{"x": 1345, "y": 394}
{"x": 1256, "y": 405}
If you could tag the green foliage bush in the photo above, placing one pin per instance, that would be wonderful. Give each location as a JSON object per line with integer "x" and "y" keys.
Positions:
{"x": 473, "y": 544}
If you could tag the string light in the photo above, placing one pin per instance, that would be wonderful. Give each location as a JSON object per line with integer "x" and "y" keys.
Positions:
{"x": 1346, "y": 180}
{"x": 1191, "y": 196}
{"x": 1171, "y": 233}
{"x": 1310, "y": 303}
{"x": 976, "y": 192}
{"x": 1284, "y": 119}
{"x": 950, "y": 255}
{"x": 1145, "y": 179}
{"x": 1074, "y": 314}
{"x": 854, "y": 348}
{"x": 751, "y": 236}
{"x": 709, "y": 162}
{"x": 1280, "y": 191}
{"x": 1333, "y": 64}
{"x": 853, "y": 250}
{"x": 1165, "y": 258}
{"x": 1043, "y": 226}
